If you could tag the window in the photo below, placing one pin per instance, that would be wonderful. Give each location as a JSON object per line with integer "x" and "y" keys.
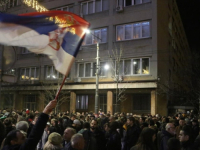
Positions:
{"x": 95, "y": 6}
{"x": 12, "y": 3}
{"x": 142, "y": 102}
{"x": 82, "y": 102}
{"x": 98, "y": 35}
{"x": 133, "y": 31}
{"x": 8, "y": 100}
{"x": 25, "y": 51}
{"x": 134, "y": 2}
{"x": 51, "y": 73}
{"x": 103, "y": 103}
{"x": 31, "y": 73}
{"x": 136, "y": 66}
{"x": 67, "y": 8}
{"x": 30, "y": 102}
{"x": 10, "y": 72}
{"x": 89, "y": 69}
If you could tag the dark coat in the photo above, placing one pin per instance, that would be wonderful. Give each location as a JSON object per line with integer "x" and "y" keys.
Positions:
{"x": 100, "y": 139}
{"x": 132, "y": 136}
{"x": 165, "y": 136}
{"x": 67, "y": 146}
{"x": 188, "y": 145}
{"x": 34, "y": 137}
{"x": 114, "y": 141}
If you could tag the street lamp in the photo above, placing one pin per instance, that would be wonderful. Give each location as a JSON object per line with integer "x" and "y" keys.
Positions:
{"x": 97, "y": 73}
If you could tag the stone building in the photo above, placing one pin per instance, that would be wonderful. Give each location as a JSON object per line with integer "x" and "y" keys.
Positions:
{"x": 154, "y": 44}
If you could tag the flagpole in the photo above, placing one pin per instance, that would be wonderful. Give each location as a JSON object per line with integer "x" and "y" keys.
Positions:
{"x": 60, "y": 87}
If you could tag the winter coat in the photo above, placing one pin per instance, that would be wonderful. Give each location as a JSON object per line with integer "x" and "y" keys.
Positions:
{"x": 34, "y": 137}
{"x": 165, "y": 136}
{"x": 114, "y": 141}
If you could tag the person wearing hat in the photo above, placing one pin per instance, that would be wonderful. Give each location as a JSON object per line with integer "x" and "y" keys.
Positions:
{"x": 77, "y": 125}
{"x": 54, "y": 142}
{"x": 195, "y": 128}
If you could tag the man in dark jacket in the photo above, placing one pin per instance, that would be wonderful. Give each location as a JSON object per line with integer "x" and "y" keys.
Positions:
{"x": 68, "y": 133}
{"x": 132, "y": 133}
{"x": 98, "y": 135}
{"x": 166, "y": 134}
{"x": 16, "y": 140}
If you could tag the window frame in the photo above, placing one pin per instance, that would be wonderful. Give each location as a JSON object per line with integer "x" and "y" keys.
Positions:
{"x": 79, "y": 98}
{"x": 13, "y": 3}
{"x": 29, "y": 73}
{"x": 92, "y": 33}
{"x": 133, "y": 3}
{"x": 132, "y": 31}
{"x": 68, "y": 6}
{"x": 51, "y": 72}
{"x": 25, "y": 51}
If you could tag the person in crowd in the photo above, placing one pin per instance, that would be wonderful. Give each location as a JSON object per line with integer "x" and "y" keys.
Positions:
{"x": 178, "y": 128}
{"x": 68, "y": 133}
{"x": 132, "y": 133}
{"x": 44, "y": 138}
{"x": 77, "y": 125}
{"x": 16, "y": 140}
{"x": 54, "y": 126}
{"x": 2, "y": 131}
{"x": 86, "y": 126}
{"x": 195, "y": 128}
{"x": 54, "y": 142}
{"x": 173, "y": 144}
{"x": 98, "y": 135}
{"x": 77, "y": 141}
{"x": 114, "y": 138}
{"x": 8, "y": 125}
{"x": 22, "y": 125}
{"x": 146, "y": 140}
{"x": 166, "y": 134}
{"x": 31, "y": 125}
{"x": 143, "y": 123}
{"x": 186, "y": 138}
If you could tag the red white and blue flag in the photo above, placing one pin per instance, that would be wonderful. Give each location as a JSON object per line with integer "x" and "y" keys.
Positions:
{"x": 58, "y": 34}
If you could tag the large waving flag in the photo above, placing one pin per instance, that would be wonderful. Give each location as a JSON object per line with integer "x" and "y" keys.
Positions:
{"x": 58, "y": 34}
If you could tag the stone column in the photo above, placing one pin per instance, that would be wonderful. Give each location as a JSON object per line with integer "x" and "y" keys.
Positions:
{"x": 153, "y": 102}
{"x": 110, "y": 101}
{"x": 72, "y": 102}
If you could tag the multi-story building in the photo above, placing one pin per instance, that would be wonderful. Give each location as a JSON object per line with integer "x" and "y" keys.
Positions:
{"x": 154, "y": 44}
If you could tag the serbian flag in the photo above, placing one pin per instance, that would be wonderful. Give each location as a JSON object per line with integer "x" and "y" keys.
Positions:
{"x": 58, "y": 34}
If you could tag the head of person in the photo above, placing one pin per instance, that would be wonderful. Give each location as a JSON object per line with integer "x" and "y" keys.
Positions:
{"x": 142, "y": 120}
{"x": 77, "y": 141}
{"x": 68, "y": 133}
{"x": 54, "y": 122}
{"x": 73, "y": 117}
{"x": 194, "y": 122}
{"x": 173, "y": 144}
{"x": 54, "y": 142}
{"x": 36, "y": 118}
{"x": 76, "y": 122}
{"x": 170, "y": 128}
{"x": 146, "y": 138}
{"x": 130, "y": 121}
{"x": 181, "y": 122}
{"x": 113, "y": 126}
{"x": 93, "y": 124}
{"x": 15, "y": 137}
{"x": 22, "y": 125}
{"x": 111, "y": 119}
{"x": 106, "y": 127}
{"x": 185, "y": 133}
{"x": 86, "y": 125}
{"x": 7, "y": 122}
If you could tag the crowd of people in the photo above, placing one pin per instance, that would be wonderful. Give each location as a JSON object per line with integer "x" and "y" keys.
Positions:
{"x": 28, "y": 130}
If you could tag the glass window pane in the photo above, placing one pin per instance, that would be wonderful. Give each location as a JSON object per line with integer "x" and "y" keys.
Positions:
{"x": 22, "y": 74}
{"x": 145, "y": 1}
{"x": 128, "y": 2}
{"x": 137, "y": 2}
{"x": 71, "y": 9}
{"x": 96, "y": 36}
{"x": 136, "y": 66}
{"x": 87, "y": 69}
{"x": 97, "y": 5}
{"x": 136, "y": 30}
{"x": 105, "y": 4}
{"x": 128, "y": 31}
{"x": 145, "y": 29}
{"x": 48, "y": 72}
{"x": 94, "y": 69}
{"x": 127, "y": 67}
{"x": 120, "y": 67}
{"x": 90, "y": 7}
{"x": 119, "y": 33}
{"x": 32, "y": 76}
{"x": 27, "y": 74}
{"x": 88, "y": 39}
{"x": 104, "y": 35}
{"x": 37, "y": 74}
{"x": 145, "y": 66}
{"x": 103, "y": 70}
{"x": 81, "y": 70}
{"x": 84, "y": 8}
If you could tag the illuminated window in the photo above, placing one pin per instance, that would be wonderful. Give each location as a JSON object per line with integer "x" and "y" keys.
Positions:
{"x": 31, "y": 73}
{"x": 135, "y": 2}
{"x": 98, "y": 35}
{"x": 138, "y": 66}
{"x": 52, "y": 73}
{"x": 95, "y": 6}
{"x": 89, "y": 69}
{"x": 12, "y": 3}
{"x": 133, "y": 31}
{"x": 82, "y": 102}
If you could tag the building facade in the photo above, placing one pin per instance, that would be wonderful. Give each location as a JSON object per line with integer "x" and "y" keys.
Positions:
{"x": 150, "y": 34}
